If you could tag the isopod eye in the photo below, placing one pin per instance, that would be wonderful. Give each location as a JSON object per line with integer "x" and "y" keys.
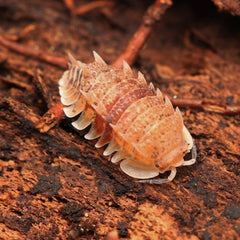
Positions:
{"x": 185, "y": 152}
{"x": 156, "y": 163}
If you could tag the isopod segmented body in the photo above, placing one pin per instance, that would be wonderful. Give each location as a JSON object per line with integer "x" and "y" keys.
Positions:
{"x": 141, "y": 128}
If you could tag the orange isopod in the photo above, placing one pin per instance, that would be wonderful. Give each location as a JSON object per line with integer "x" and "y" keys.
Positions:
{"x": 141, "y": 128}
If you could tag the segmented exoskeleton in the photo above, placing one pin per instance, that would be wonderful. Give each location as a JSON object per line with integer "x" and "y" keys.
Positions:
{"x": 140, "y": 127}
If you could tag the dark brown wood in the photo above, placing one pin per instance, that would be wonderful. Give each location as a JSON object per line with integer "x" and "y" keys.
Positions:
{"x": 54, "y": 184}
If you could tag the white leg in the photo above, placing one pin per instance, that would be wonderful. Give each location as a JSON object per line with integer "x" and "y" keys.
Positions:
{"x": 194, "y": 156}
{"x": 164, "y": 180}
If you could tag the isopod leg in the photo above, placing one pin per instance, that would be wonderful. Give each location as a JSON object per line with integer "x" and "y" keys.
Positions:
{"x": 85, "y": 119}
{"x": 161, "y": 181}
{"x": 112, "y": 147}
{"x": 194, "y": 156}
{"x": 96, "y": 128}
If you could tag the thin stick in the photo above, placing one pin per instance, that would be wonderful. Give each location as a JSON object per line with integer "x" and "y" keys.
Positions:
{"x": 86, "y": 7}
{"x": 39, "y": 54}
{"x": 55, "y": 114}
{"x": 207, "y": 106}
{"x": 23, "y": 33}
{"x": 70, "y": 4}
{"x": 152, "y": 15}
{"x": 51, "y": 118}
{"x": 91, "y": 6}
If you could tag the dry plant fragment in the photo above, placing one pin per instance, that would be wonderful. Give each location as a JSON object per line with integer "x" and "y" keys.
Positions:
{"x": 140, "y": 37}
{"x": 93, "y": 5}
{"x": 50, "y": 119}
{"x": 207, "y": 106}
{"x": 23, "y": 33}
{"x": 86, "y": 7}
{"x": 39, "y": 54}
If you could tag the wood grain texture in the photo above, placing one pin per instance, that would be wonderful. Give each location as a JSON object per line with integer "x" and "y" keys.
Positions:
{"x": 57, "y": 185}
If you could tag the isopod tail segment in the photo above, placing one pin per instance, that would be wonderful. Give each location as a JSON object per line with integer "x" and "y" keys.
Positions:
{"x": 140, "y": 126}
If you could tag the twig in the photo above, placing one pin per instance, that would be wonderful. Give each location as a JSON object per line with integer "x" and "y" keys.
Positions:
{"x": 55, "y": 113}
{"x": 91, "y": 6}
{"x": 50, "y": 119}
{"x": 87, "y": 7}
{"x": 23, "y": 33}
{"x": 152, "y": 15}
{"x": 39, "y": 54}
{"x": 207, "y": 106}
{"x": 69, "y": 4}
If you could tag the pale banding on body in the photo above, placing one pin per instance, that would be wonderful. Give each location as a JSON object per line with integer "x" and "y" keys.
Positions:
{"x": 142, "y": 130}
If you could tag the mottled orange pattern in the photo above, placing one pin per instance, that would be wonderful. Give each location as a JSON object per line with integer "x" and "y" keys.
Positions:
{"x": 140, "y": 126}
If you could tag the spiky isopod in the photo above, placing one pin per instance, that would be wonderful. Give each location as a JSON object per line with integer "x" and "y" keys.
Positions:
{"x": 140, "y": 126}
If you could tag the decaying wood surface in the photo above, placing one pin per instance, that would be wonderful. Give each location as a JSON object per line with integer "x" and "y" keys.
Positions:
{"x": 55, "y": 185}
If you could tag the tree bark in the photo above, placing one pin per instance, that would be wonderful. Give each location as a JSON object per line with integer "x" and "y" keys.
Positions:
{"x": 57, "y": 185}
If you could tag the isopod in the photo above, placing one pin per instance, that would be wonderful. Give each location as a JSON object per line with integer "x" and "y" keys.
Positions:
{"x": 140, "y": 126}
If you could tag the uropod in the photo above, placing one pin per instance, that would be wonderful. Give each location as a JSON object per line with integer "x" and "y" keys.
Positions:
{"x": 143, "y": 131}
